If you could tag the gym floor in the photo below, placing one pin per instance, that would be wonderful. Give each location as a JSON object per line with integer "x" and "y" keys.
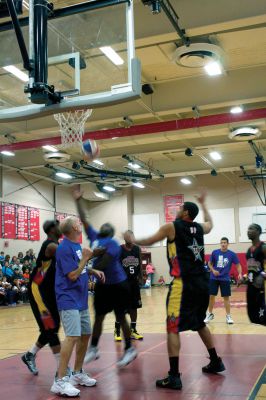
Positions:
{"x": 241, "y": 346}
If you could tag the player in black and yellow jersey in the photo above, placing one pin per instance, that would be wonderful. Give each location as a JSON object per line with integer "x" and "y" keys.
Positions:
{"x": 42, "y": 297}
{"x": 188, "y": 295}
{"x": 131, "y": 262}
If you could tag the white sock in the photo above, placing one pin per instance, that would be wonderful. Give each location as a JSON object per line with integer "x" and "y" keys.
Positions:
{"x": 57, "y": 359}
{"x": 34, "y": 350}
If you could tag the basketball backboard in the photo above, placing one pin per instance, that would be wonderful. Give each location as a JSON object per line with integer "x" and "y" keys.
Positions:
{"x": 91, "y": 59}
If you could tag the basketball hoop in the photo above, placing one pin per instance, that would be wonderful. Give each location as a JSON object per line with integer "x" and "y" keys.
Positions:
{"x": 72, "y": 126}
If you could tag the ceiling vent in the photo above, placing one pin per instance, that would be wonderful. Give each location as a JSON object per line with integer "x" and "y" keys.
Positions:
{"x": 122, "y": 184}
{"x": 56, "y": 156}
{"x": 197, "y": 55}
{"x": 245, "y": 133}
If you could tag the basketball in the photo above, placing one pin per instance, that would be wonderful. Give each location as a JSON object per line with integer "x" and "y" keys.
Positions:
{"x": 90, "y": 150}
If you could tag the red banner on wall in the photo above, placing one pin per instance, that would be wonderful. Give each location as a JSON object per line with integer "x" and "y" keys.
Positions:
{"x": 22, "y": 223}
{"x": 34, "y": 223}
{"x": 172, "y": 205}
{"x": 9, "y": 220}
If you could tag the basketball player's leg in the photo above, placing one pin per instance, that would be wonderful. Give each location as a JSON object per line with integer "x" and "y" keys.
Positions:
{"x": 213, "y": 291}
{"x": 92, "y": 352}
{"x": 173, "y": 303}
{"x": 226, "y": 293}
{"x": 135, "y": 304}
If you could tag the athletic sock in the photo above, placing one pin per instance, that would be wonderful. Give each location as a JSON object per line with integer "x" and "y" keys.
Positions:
{"x": 174, "y": 365}
{"x": 133, "y": 326}
{"x": 117, "y": 326}
{"x": 213, "y": 354}
{"x": 94, "y": 341}
{"x": 34, "y": 350}
{"x": 128, "y": 343}
{"x": 57, "y": 359}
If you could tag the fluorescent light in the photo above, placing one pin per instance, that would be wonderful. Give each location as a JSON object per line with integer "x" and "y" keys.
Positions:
{"x": 112, "y": 55}
{"x": 213, "y": 68}
{"x": 7, "y": 153}
{"x": 109, "y": 188}
{"x": 99, "y": 162}
{"x": 236, "y": 110}
{"x": 215, "y": 155}
{"x": 134, "y": 165}
{"x": 100, "y": 195}
{"x": 246, "y": 130}
{"x": 49, "y": 148}
{"x": 63, "y": 175}
{"x": 115, "y": 137}
{"x": 25, "y": 4}
{"x": 139, "y": 185}
{"x": 17, "y": 73}
{"x": 185, "y": 181}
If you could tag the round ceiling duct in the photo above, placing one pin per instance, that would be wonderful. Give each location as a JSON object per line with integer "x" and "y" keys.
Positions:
{"x": 197, "y": 55}
{"x": 56, "y": 156}
{"x": 244, "y": 133}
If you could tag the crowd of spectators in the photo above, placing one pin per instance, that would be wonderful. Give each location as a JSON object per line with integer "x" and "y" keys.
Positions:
{"x": 14, "y": 277}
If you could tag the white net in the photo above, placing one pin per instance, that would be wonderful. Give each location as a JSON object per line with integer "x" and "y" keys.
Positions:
{"x": 72, "y": 126}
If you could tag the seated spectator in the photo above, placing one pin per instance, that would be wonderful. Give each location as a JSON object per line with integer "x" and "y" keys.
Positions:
{"x": 17, "y": 274}
{"x": 7, "y": 258}
{"x": 26, "y": 264}
{"x": 17, "y": 265}
{"x": 161, "y": 281}
{"x": 27, "y": 256}
{"x": 31, "y": 254}
{"x": 2, "y": 257}
{"x": 13, "y": 260}
{"x": 33, "y": 263}
{"x": 9, "y": 293}
{"x": 26, "y": 275}
{"x": 20, "y": 257}
{"x": 7, "y": 271}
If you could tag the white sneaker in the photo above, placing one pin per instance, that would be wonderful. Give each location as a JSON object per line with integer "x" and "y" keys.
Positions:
{"x": 91, "y": 354}
{"x": 81, "y": 378}
{"x": 229, "y": 319}
{"x": 209, "y": 317}
{"x": 63, "y": 387}
{"x": 129, "y": 355}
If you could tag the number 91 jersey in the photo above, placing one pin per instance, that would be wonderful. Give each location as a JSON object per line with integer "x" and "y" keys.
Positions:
{"x": 130, "y": 259}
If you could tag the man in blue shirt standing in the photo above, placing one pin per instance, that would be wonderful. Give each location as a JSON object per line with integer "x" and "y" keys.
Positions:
{"x": 220, "y": 265}
{"x": 71, "y": 289}
{"x": 114, "y": 294}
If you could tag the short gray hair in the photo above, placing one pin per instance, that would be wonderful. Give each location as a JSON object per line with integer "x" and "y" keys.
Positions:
{"x": 67, "y": 224}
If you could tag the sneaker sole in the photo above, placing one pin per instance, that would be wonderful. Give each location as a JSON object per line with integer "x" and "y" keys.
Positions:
{"x": 83, "y": 384}
{"x": 229, "y": 323}
{"x": 168, "y": 387}
{"x": 124, "y": 365}
{"x": 118, "y": 340}
{"x": 25, "y": 362}
{"x": 64, "y": 395}
{"x": 215, "y": 372}
{"x": 132, "y": 337}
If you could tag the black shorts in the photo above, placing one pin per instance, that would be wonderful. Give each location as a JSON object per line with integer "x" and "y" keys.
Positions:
{"x": 225, "y": 287}
{"x": 109, "y": 298}
{"x": 135, "y": 297}
{"x": 187, "y": 303}
{"x": 256, "y": 304}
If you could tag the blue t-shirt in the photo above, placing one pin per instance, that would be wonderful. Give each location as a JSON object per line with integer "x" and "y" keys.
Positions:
{"x": 114, "y": 272}
{"x": 70, "y": 295}
{"x": 222, "y": 261}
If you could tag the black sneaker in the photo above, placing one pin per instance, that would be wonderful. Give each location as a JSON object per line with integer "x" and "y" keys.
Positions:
{"x": 214, "y": 366}
{"x": 29, "y": 360}
{"x": 170, "y": 382}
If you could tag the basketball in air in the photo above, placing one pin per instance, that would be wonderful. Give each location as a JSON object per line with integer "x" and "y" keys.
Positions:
{"x": 90, "y": 150}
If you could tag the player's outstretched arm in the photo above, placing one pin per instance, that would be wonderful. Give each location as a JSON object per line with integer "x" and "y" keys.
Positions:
{"x": 77, "y": 195}
{"x": 166, "y": 231}
{"x": 207, "y": 224}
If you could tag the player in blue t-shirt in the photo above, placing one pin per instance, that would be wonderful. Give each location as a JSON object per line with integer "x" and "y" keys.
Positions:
{"x": 220, "y": 265}
{"x": 114, "y": 294}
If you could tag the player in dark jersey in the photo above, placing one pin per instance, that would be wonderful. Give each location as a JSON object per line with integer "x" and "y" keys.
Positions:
{"x": 42, "y": 297}
{"x": 256, "y": 258}
{"x": 131, "y": 262}
{"x": 188, "y": 295}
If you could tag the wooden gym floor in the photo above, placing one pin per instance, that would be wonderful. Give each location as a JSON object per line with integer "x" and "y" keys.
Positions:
{"x": 241, "y": 345}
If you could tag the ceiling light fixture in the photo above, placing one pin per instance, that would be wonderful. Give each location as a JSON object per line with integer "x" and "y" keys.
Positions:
{"x": 110, "y": 53}
{"x": 50, "y": 148}
{"x": 236, "y": 110}
{"x": 17, "y": 72}
{"x": 98, "y": 162}
{"x": 108, "y": 188}
{"x": 7, "y": 153}
{"x": 185, "y": 181}
{"x": 215, "y": 155}
{"x": 115, "y": 137}
{"x": 63, "y": 175}
{"x": 138, "y": 185}
{"x": 213, "y": 68}
{"x": 134, "y": 165}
